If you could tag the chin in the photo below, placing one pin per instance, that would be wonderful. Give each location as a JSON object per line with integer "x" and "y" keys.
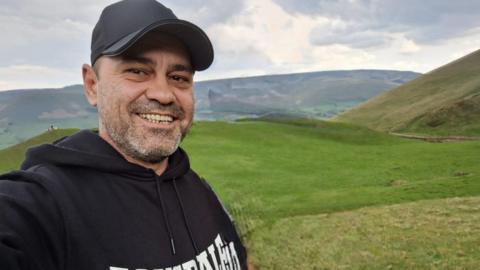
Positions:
{"x": 163, "y": 146}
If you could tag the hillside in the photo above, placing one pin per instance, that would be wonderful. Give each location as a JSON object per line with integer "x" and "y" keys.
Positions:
{"x": 445, "y": 101}
{"x": 24, "y": 113}
{"x": 11, "y": 157}
{"x": 314, "y": 94}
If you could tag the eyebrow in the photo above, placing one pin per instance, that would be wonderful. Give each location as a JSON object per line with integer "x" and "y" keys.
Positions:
{"x": 147, "y": 61}
{"x": 180, "y": 67}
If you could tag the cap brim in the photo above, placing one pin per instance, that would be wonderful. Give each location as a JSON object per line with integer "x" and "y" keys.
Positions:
{"x": 196, "y": 41}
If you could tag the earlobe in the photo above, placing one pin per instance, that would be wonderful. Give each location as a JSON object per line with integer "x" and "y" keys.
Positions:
{"x": 90, "y": 84}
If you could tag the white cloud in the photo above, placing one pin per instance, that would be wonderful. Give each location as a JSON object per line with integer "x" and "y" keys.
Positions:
{"x": 6, "y": 86}
{"x": 266, "y": 28}
{"x": 27, "y": 76}
{"x": 404, "y": 65}
{"x": 267, "y": 39}
{"x": 409, "y": 46}
{"x": 44, "y": 42}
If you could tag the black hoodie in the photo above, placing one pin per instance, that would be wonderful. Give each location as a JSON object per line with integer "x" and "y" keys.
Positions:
{"x": 78, "y": 204}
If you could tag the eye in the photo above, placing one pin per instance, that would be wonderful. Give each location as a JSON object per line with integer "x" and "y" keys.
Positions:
{"x": 137, "y": 71}
{"x": 179, "y": 78}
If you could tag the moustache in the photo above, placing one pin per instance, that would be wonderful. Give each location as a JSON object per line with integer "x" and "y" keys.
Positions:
{"x": 157, "y": 107}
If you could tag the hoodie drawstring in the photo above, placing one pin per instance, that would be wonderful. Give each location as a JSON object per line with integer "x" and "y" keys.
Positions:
{"x": 179, "y": 198}
{"x": 165, "y": 216}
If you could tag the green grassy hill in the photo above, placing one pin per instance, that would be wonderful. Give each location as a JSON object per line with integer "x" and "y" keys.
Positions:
{"x": 445, "y": 101}
{"x": 12, "y": 157}
{"x": 24, "y": 113}
{"x": 297, "y": 189}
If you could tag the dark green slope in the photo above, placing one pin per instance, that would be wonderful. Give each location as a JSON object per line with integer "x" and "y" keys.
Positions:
{"x": 12, "y": 157}
{"x": 444, "y": 101}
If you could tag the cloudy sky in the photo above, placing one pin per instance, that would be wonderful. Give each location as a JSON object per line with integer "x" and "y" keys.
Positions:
{"x": 44, "y": 42}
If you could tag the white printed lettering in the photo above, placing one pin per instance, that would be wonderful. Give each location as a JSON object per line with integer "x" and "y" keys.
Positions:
{"x": 211, "y": 251}
{"x": 190, "y": 265}
{"x": 227, "y": 259}
{"x": 234, "y": 255}
{"x": 178, "y": 267}
{"x": 222, "y": 254}
{"x": 203, "y": 262}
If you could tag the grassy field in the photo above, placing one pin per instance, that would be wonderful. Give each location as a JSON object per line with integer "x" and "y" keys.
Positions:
{"x": 303, "y": 169}
{"x": 434, "y": 234}
{"x": 295, "y": 188}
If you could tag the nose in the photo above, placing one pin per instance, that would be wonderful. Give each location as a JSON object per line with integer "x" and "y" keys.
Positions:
{"x": 160, "y": 90}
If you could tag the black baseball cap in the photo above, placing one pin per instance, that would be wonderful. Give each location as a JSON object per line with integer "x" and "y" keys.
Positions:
{"x": 123, "y": 23}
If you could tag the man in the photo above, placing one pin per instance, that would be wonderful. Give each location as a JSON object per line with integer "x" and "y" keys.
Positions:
{"x": 124, "y": 198}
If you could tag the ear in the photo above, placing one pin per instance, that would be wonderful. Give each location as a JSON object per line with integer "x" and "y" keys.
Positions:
{"x": 90, "y": 84}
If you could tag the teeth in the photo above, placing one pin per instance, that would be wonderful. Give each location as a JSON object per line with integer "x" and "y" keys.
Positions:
{"x": 156, "y": 118}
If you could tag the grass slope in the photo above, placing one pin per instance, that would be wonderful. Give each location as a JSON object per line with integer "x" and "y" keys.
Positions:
{"x": 433, "y": 234}
{"x": 273, "y": 175}
{"x": 445, "y": 101}
{"x": 279, "y": 170}
{"x": 12, "y": 157}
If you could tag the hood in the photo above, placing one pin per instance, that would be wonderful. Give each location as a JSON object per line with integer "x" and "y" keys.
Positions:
{"x": 87, "y": 149}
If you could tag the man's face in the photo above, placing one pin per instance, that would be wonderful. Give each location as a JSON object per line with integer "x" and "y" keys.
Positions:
{"x": 145, "y": 98}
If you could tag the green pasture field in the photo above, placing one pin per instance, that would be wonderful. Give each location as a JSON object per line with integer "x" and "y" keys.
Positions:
{"x": 309, "y": 194}
{"x": 311, "y": 167}
{"x": 432, "y": 234}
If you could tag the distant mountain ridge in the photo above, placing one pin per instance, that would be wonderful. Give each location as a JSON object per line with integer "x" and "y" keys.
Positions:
{"x": 445, "y": 101}
{"x": 26, "y": 113}
{"x": 313, "y": 94}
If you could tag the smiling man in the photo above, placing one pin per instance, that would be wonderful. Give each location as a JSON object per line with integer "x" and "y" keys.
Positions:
{"x": 125, "y": 197}
{"x": 144, "y": 98}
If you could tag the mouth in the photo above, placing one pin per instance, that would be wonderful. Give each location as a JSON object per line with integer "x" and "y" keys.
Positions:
{"x": 157, "y": 118}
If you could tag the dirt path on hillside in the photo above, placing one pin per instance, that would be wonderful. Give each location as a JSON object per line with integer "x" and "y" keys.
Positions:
{"x": 437, "y": 139}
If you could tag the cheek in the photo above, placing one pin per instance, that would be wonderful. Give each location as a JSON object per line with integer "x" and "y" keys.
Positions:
{"x": 116, "y": 97}
{"x": 185, "y": 98}
{"x": 103, "y": 96}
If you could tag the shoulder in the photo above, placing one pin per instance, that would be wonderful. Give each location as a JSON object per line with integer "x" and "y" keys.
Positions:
{"x": 29, "y": 190}
{"x": 193, "y": 178}
{"x": 209, "y": 190}
{"x": 30, "y": 219}
{"x": 21, "y": 183}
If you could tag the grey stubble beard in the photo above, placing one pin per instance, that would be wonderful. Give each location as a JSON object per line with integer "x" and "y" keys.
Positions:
{"x": 129, "y": 141}
{"x": 132, "y": 146}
